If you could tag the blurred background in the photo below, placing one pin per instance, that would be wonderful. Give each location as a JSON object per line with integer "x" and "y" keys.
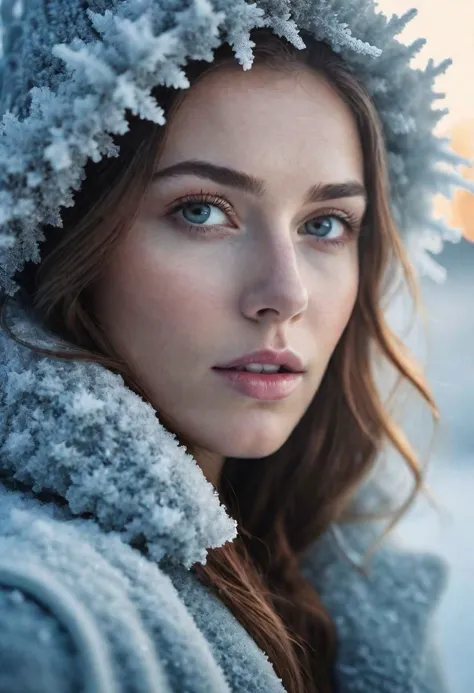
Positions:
{"x": 447, "y": 347}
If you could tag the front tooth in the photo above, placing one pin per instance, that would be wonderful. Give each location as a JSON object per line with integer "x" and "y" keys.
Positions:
{"x": 259, "y": 368}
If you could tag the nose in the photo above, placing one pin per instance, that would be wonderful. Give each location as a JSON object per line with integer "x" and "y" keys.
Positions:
{"x": 279, "y": 283}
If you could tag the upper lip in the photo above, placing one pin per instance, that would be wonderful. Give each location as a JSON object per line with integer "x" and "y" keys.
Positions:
{"x": 287, "y": 358}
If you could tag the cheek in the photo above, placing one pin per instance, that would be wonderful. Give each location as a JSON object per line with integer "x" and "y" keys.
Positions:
{"x": 145, "y": 290}
{"x": 334, "y": 302}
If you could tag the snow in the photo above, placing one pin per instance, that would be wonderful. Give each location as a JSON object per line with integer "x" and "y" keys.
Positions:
{"x": 451, "y": 469}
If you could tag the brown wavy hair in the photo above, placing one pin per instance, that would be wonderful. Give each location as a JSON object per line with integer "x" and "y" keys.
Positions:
{"x": 286, "y": 501}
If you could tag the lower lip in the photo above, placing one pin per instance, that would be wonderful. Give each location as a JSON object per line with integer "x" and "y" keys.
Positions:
{"x": 264, "y": 386}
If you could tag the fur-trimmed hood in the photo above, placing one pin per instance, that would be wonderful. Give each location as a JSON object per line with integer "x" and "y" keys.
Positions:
{"x": 71, "y": 70}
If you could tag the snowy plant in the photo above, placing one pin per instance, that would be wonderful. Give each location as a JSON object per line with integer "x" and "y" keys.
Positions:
{"x": 91, "y": 66}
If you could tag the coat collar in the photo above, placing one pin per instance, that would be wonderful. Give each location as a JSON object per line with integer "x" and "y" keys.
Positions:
{"x": 76, "y": 430}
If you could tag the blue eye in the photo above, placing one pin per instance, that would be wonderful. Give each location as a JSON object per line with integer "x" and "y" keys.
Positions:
{"x": 326, "y": 222}
{"x": 200, "y": 206}
{"x": 197, "y": 210}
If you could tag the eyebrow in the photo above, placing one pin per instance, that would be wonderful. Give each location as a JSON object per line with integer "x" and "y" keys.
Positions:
{"x": 256, "y": 186}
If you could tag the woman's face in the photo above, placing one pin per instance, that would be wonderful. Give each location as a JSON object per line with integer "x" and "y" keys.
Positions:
{"x": 259, "y": 273}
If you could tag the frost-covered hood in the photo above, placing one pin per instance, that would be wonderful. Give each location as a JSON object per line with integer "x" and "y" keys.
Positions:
{"x": 75, "y": 429}
{"x": 72, "y": 69}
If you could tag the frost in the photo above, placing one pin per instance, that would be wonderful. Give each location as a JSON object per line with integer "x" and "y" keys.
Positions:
{"x": 49, "y": 132}
{"x": 73, "y": 428}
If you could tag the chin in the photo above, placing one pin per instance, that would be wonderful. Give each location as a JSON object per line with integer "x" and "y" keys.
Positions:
{"x": 256, "y": 449}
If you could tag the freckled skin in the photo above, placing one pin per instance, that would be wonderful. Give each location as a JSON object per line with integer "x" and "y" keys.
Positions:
{"x": 176, "y": 304}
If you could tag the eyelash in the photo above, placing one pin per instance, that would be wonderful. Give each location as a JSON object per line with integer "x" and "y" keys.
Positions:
{"x": 350, "y": 221}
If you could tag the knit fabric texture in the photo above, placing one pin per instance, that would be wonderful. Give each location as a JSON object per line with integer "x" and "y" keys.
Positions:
{"x": 70, "y": 71}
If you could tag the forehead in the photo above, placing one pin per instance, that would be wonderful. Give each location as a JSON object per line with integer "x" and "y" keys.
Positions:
{"x": 284, "y": 128}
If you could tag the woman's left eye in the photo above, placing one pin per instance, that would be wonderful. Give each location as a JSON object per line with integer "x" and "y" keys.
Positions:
{"x": 200, "y": 207}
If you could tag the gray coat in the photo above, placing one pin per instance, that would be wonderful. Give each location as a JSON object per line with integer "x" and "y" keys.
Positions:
{"x": 102, "y": 514}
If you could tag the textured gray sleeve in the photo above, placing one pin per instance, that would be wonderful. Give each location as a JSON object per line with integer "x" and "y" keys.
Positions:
{"x": 36, "y": 653}
{"x": 385, "y": 615}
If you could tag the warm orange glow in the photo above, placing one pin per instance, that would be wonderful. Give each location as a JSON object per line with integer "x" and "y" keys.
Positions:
{"x": 460, "y": 211}
{"x": 448, "y": 27}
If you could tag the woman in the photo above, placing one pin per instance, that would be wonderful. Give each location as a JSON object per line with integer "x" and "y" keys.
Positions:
{"x": 168, "y": 524}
